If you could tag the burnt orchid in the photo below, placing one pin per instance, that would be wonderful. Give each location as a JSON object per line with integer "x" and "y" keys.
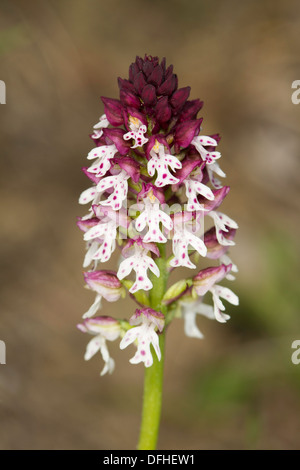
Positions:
{"x": 153, "y": 189}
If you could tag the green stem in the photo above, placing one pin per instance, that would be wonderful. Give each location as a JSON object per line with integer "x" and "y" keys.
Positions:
{"x": 152, "y": 399}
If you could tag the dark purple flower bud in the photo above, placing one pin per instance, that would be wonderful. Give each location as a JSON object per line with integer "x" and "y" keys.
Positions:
{"x": 186, "y": 131}
{"x": 139, "y": 61}
{"x": 179, "y": 98}
{"x": 156, "y": 76}
{"x": 148, "y": 68}
{"x": 169, "y": 71}
{"x": 133, "y": 71}
{"x": 163, "y": 111}
{"x": 113, "y": 110}
{"x": 190, "y": 110}
{"x": 131, "y": 167}
{"x": 129, "y": 99}
{"x": 214, "y": 249}
{"x": 168, "y": 86}
{"x": 139, "y": 82}
{"x": 148, "y": 95}
{"x": 116, "y": 136}
{"x": 125, "y": 84}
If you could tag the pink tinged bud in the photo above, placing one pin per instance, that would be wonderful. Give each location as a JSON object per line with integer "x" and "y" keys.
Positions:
{"x": 190, "y": 110}
{"x": 139, "y": 82}
{"x": 150, "y": 315}
{"x": 128, "y": 249}
{"x": 188, "y": 166}
{"x": 116, "y": 136}
{"x": 186, "y": 131}
{"x": 129, "y": 99}
{"x": 85, "y": 224}
{"x": 169, "y": 85}
{"x": 113, "y": 110}
{"x": 131, "y": 167}
{"x": 179, "y": 98}
{"x": 214, "y": 249}
{"x": 219, "y": 196}
{"x": 104, "y": 283}
{"x": 95, "y": 179}
{"x": 156, "y": 76}
{"x": 163, "y": 111}
{"x": 206, "y": 278}
{"x": 148, "y": 95}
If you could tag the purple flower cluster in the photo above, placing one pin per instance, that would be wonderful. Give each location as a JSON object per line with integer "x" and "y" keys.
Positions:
{"x": 154, "y": 178}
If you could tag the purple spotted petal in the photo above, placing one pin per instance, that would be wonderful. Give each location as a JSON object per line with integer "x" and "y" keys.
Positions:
{"x": 95, "y": 179}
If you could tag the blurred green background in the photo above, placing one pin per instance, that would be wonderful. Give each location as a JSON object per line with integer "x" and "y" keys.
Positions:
{"x": 236, "y": 389}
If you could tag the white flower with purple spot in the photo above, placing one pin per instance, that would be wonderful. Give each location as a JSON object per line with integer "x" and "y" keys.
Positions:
{"x": 215, "y": 168}
{"x": 140, "y": 262}
{"x": 222, "y": 221}
{"x": 104, "y": 329}
{"x": 161, "y": 162}
{"x": 144, "y": 335}
{"x": 105, "y": 233}
{"x": 202, "y": 140}
{"x": 192, "y": 189}
{"x": 182, "y": 239}
{"x": 205, "y": 281}
{"x": 120, "y": 184}
{"x": 104, "y": 154}
{"x": 137, "y": 131}
{"x": 152, "y": 216}
{"x": 98, "y": 132}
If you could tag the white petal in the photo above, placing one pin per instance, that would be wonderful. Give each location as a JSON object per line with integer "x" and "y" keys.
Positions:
{"x": 227, "y": 294}
{"x": 93, "y": 347}
{"x": 88, "y": 195}
{"x": 94, "y": 307}
{"x": 125, "y": 267}
{"x": 190, "y": 327}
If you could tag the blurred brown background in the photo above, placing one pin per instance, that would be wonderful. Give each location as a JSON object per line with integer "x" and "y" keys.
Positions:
{"x": 238, "y": 388}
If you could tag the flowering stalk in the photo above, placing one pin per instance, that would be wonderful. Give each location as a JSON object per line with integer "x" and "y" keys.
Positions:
{"x": 153, "y": 184}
